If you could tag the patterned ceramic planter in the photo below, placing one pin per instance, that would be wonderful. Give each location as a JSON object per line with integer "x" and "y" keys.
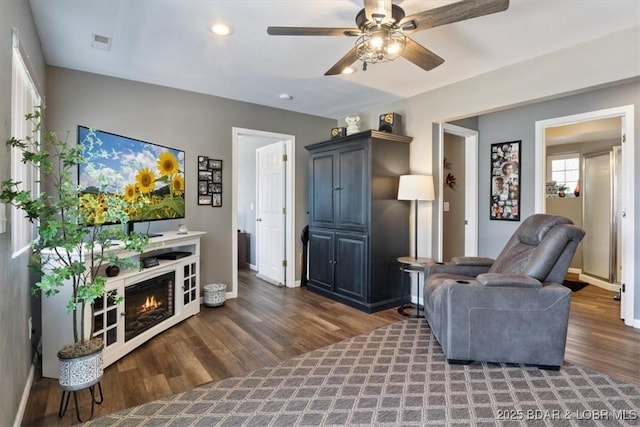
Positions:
{"x": 215, "y": 294}
{"x": 77, "y": 373}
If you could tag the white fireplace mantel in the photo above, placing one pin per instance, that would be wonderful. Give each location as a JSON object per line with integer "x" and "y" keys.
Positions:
{"x": 56, "y": 322}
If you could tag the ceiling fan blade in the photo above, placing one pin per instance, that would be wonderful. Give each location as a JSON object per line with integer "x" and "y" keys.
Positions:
{"x": 343, "y": 63}
{"x": 454, "y": 12}
{"x": 378, "y": 7}
{"x": 421, "y": 56}
{"x": 312, "y": 31}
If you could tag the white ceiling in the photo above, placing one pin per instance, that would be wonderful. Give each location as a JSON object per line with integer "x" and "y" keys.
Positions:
{"x": 168, "y": 43}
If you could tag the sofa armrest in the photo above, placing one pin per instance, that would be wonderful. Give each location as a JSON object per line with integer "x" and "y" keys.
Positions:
{"x": 475, "y": 261}
{"x": 463, "y": 266}
{"x": 508, "y": 280}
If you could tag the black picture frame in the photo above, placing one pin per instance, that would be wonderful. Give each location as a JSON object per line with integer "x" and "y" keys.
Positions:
{"x": 506, "y": 158}
{"x": 205, "y": 175}
{"x": 205, "y": 199}
{"x": 215, "y": 164}
{"x": 203, "y": 187}
{"x": 209, "y": 181}
{"x": 203, "y": 163}
{"x": 215, "y": 187}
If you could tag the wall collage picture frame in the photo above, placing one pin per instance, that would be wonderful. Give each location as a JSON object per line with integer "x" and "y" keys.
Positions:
{"x": 209, "y": 181}
{"x": 505, "y": 181}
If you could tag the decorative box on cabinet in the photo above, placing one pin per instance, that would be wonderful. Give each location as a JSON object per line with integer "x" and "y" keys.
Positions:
{"x": 108, "y": 316}
{"x": 357, "y": 227}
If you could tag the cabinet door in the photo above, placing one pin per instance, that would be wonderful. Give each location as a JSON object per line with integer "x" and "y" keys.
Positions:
{"x": 353, "y": 188}
{"x": 351, "y": 266}
{"x": 321, "y": 258}
{"x": 106, "y": 319}
{"x": 321, "y": 190}
{"x": 190, "y": 288}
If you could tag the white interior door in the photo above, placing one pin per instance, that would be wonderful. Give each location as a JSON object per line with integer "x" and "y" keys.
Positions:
{"x": 271, "y": 206}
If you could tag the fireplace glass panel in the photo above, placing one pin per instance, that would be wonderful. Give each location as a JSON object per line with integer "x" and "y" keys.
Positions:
{"x": 148, "y": 303}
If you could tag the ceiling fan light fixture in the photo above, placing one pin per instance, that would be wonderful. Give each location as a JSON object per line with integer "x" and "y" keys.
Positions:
{"x": 380, "y": 45}
{"x": 348, "y": 70}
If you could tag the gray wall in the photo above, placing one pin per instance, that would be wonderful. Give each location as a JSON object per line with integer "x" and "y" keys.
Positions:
{"x": 519, "y": 124}
{"x": 15, "y": 301}
{"x": 196, "y": 123}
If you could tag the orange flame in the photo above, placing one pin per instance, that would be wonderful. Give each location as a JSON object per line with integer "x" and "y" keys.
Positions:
{"x": 150, "y": 303}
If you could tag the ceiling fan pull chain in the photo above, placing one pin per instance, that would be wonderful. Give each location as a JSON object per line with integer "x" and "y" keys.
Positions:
{"x": 364, "y": 66}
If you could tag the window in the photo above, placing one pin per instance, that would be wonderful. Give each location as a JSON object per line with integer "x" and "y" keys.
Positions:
{"x": 564, "y": 169}
{"x": 24, "y": 99}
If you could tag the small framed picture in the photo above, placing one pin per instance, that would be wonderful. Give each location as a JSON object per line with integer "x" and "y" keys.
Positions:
{"x": 205, "y": 199}
{"x": 216, "y": 175}
{"x": 205, "y": 175}
{"x": 216, "y": 200}
{"x": 203, "y": 163}
{"x": 203, "y": 187}
{"x": 215, "y": 187}
{"x": 215, "y": 164}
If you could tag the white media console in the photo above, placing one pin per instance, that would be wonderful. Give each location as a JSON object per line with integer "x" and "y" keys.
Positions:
{"x": 182, "y": 275}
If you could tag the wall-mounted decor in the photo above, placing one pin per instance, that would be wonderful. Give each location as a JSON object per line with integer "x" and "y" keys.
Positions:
{"x": 505, "y": 181}
{"x": 209, "y": 181}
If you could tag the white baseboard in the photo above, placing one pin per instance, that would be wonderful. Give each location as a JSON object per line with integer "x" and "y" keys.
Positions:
{"x": 575, "y": 270}
{"x": 599, "y": 283}
{"x": 25, "y": 398}
{"x": 253, "y": 267}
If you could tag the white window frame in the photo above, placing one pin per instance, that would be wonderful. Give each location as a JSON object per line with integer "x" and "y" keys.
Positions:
{"x": 563, "y": 156}
{"x": 25, "y": 97}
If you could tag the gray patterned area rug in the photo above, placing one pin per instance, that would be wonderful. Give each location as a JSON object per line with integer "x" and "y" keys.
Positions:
{"x": 395, "y": 375}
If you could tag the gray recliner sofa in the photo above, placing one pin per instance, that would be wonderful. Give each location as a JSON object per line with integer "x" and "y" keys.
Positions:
{"x": 513, "y": 309}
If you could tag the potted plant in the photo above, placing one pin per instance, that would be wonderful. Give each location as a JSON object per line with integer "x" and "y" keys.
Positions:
{"x": 562, "y": 188}
{"x": 73, "y": 240}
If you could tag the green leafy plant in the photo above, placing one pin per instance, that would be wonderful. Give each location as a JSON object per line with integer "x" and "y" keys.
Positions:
{"x": 68, "y": 235}
{"x": 562, "y": 188}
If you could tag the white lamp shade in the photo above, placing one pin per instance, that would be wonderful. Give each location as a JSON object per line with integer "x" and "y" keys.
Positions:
{"x": 416, "y": 187}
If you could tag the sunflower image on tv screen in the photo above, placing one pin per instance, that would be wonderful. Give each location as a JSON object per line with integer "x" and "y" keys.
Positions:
{"x": 147, "y": 179}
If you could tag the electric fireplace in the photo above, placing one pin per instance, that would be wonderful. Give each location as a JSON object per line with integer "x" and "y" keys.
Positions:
{"x": 148, "y": 303}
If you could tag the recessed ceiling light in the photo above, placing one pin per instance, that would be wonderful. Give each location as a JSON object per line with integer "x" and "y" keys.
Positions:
{"x": 221, "y": 29}
{"x": 286, "y": 97}
{"x": 349, "y": 70}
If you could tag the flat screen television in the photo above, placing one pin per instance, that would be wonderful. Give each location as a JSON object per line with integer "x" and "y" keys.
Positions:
{"x": 149, "y": 178}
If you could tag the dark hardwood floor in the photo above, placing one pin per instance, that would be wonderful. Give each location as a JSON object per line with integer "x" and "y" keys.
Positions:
{"x": 266, "y": 325}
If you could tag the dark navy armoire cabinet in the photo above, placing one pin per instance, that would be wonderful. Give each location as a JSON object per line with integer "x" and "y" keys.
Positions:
{"x": 357, "y": 227}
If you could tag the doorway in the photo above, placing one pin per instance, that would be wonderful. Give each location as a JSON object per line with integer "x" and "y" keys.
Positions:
{"x": 626, "y": 214}
{"x": 465, "y": 182}
{"x": 245, "y": 196}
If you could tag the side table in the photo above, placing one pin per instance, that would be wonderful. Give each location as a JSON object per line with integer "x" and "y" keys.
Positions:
{"x": 408, "y": 265}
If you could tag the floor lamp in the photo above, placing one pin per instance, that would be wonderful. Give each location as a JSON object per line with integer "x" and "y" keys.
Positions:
{"x": 416, "y": 188}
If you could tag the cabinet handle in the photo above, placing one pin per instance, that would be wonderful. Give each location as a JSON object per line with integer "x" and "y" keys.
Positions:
{"x": 337, "y": 188}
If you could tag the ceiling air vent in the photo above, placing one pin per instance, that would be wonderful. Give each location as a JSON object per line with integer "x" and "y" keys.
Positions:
{"x": 101, "y": 42}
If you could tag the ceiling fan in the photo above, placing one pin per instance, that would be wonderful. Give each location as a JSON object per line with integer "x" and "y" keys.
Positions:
{"x": 382, "y": 29}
